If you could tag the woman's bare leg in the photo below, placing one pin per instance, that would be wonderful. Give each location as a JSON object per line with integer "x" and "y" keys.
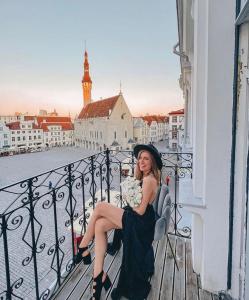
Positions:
{"x": 102, "y": 209}
{"x": 102, "y": 226}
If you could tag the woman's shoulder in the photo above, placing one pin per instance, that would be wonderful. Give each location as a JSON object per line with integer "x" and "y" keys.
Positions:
{"x": 151, "y": 179}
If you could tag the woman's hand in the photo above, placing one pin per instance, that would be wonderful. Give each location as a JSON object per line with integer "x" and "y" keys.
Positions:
{"x": 148, "y": 192}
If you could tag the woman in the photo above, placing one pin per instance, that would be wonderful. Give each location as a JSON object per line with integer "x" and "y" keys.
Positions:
{"x": 132, "y": 222}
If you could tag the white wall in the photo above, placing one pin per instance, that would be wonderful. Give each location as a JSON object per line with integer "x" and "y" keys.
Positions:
{"x": 212, "y": 97}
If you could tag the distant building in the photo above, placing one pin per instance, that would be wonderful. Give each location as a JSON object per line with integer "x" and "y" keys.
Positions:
{"x": 140, "y": 131}
{"x": 86, "y": 83}
{"x": 57, "y": 131}
{"x": 25, "y": 134}
{"x": 176, "y": 129}
{"x": 36, "y": 131}
{"x": 105, "y": 123}
{"x": 43, "y": 112}
{"x": 4, "y": 136}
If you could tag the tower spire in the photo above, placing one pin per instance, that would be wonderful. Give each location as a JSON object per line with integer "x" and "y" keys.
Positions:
{"x": 86, "y": 80}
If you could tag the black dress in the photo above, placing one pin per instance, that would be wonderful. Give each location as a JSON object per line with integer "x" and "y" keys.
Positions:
{"x": 137, "y": 265}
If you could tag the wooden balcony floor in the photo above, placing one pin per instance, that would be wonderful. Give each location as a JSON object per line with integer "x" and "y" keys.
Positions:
{"x": 167, "y": 283}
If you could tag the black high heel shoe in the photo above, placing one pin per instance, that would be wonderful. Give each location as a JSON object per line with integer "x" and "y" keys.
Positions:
{"x": 86, "y": 259}
{"x": 99, "y": 285}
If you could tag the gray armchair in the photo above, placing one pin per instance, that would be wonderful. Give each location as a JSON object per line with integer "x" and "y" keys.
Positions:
{"x": 162, "y": 208}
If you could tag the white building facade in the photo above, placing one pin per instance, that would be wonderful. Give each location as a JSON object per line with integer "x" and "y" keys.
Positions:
{"x": 105, "y": 124}
{"x": 25, "y": 134}
{"x": 176, "y": 130}
{"x": 140, "y": 131}
{"x": 4, "y": 136}
{"x": 214, "y": 56}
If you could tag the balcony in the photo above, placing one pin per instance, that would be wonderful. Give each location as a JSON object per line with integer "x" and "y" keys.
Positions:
{"x": 42, "y": 216}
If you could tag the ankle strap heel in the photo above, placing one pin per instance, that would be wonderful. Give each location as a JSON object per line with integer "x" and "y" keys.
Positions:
{"x": 86, "y": 259}
{"x": 107, "y": 283}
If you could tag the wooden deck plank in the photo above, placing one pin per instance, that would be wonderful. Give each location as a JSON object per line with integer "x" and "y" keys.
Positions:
{"x": 167, "y": 280}
{"x": 156, "y": 279}
{"x": 168, "y": 272}
{"x": 191, "y": 277}
{"x": 110, "y": 264}
{"x": 179, "y": 278}
{"x": 69, "y": 285}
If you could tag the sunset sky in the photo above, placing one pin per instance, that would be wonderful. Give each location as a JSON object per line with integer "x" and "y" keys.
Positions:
{"x": 42, "y": 52}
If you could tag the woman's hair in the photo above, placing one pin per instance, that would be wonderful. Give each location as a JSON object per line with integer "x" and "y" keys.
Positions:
{"x": 154, "y": 169}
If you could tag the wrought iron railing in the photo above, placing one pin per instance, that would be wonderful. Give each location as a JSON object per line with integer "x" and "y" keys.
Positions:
{"x": 40, "y": 215}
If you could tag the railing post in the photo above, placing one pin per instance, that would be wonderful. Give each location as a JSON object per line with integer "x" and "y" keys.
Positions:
{"x": 176, "y": 194}
{"x": 6, "y": 257}
{"x": 34, "y": 242}
{"x": 56, "y": 239}
{"x": 92, "y": 173}
{"x": 84, "y": 204}
{"x": 108, "y": 174}
{"x": 71, "y": 204}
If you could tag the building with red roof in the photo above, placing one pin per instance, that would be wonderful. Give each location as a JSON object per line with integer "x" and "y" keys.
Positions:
{"x": 39, "y": 131}
{"x": 105, "y": 123}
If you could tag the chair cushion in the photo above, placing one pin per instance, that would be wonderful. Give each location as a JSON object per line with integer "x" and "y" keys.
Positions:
{"x": 155, "y": 202}
{"x": 159, "y": 229}
{"x": 161, "y": 200}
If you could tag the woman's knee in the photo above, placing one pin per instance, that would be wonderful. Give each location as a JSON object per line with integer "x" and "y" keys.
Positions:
{"x": 100, "y": 208}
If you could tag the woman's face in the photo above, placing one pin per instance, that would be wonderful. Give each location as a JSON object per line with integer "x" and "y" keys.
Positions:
{"x": 144, "y": 162}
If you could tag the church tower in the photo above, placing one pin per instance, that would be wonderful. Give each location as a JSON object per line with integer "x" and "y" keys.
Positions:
{"x": 86, "y": 82}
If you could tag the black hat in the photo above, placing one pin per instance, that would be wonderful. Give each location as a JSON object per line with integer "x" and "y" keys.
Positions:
{"x": 153, "y": 151}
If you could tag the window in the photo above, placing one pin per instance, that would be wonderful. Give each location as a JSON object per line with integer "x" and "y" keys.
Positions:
{"x": 18, "y": 132}
{"x": 115, "y": 135}
{"x": 34, "y": 137}
{"x": 5, "y": 136}
{"x": 174, "y": 145}
{"x": 174, "y": 119}
{"x": 39, "y": 137}
{"x": 174, "y": 127}
{"x": 23, "y": 138}
{"x": 29, "y": 131}
{"x": 23, "y": 126}
{"x": 30, "y": 137}
{"x": 18, "y": 138}
{"x": 101, "y": 134}
{"x": 174, "y": 134}
{"x": 5, "y": 143}
{"x": 23, "y": 131}
{"x": 125, "y": 133}
{"x": 13, "y": 139}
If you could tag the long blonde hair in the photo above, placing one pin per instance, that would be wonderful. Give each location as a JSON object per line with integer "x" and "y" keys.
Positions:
{"x": 154, "y": 169}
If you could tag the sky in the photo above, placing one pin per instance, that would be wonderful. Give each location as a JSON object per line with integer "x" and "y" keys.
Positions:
{"x": 42, "y": 54}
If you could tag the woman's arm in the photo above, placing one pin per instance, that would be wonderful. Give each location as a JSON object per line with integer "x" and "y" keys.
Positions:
{"x": 148, "y": 188}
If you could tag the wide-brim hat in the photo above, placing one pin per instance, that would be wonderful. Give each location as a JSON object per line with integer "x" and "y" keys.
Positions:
{"x": 153, "y": 151}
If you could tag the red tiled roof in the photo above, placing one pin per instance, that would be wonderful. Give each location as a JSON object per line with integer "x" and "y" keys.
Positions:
{"x": 64, "y": 126}
{"x": 150, "y": 119}
{"x": 34, "y": 126}
{"x": 177, "y": 112}
{"x": 14, "y": 125}
{"x": 98, "y": 108}
{"x": 29, "y": 118}
{"x": 43, "y": 119}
